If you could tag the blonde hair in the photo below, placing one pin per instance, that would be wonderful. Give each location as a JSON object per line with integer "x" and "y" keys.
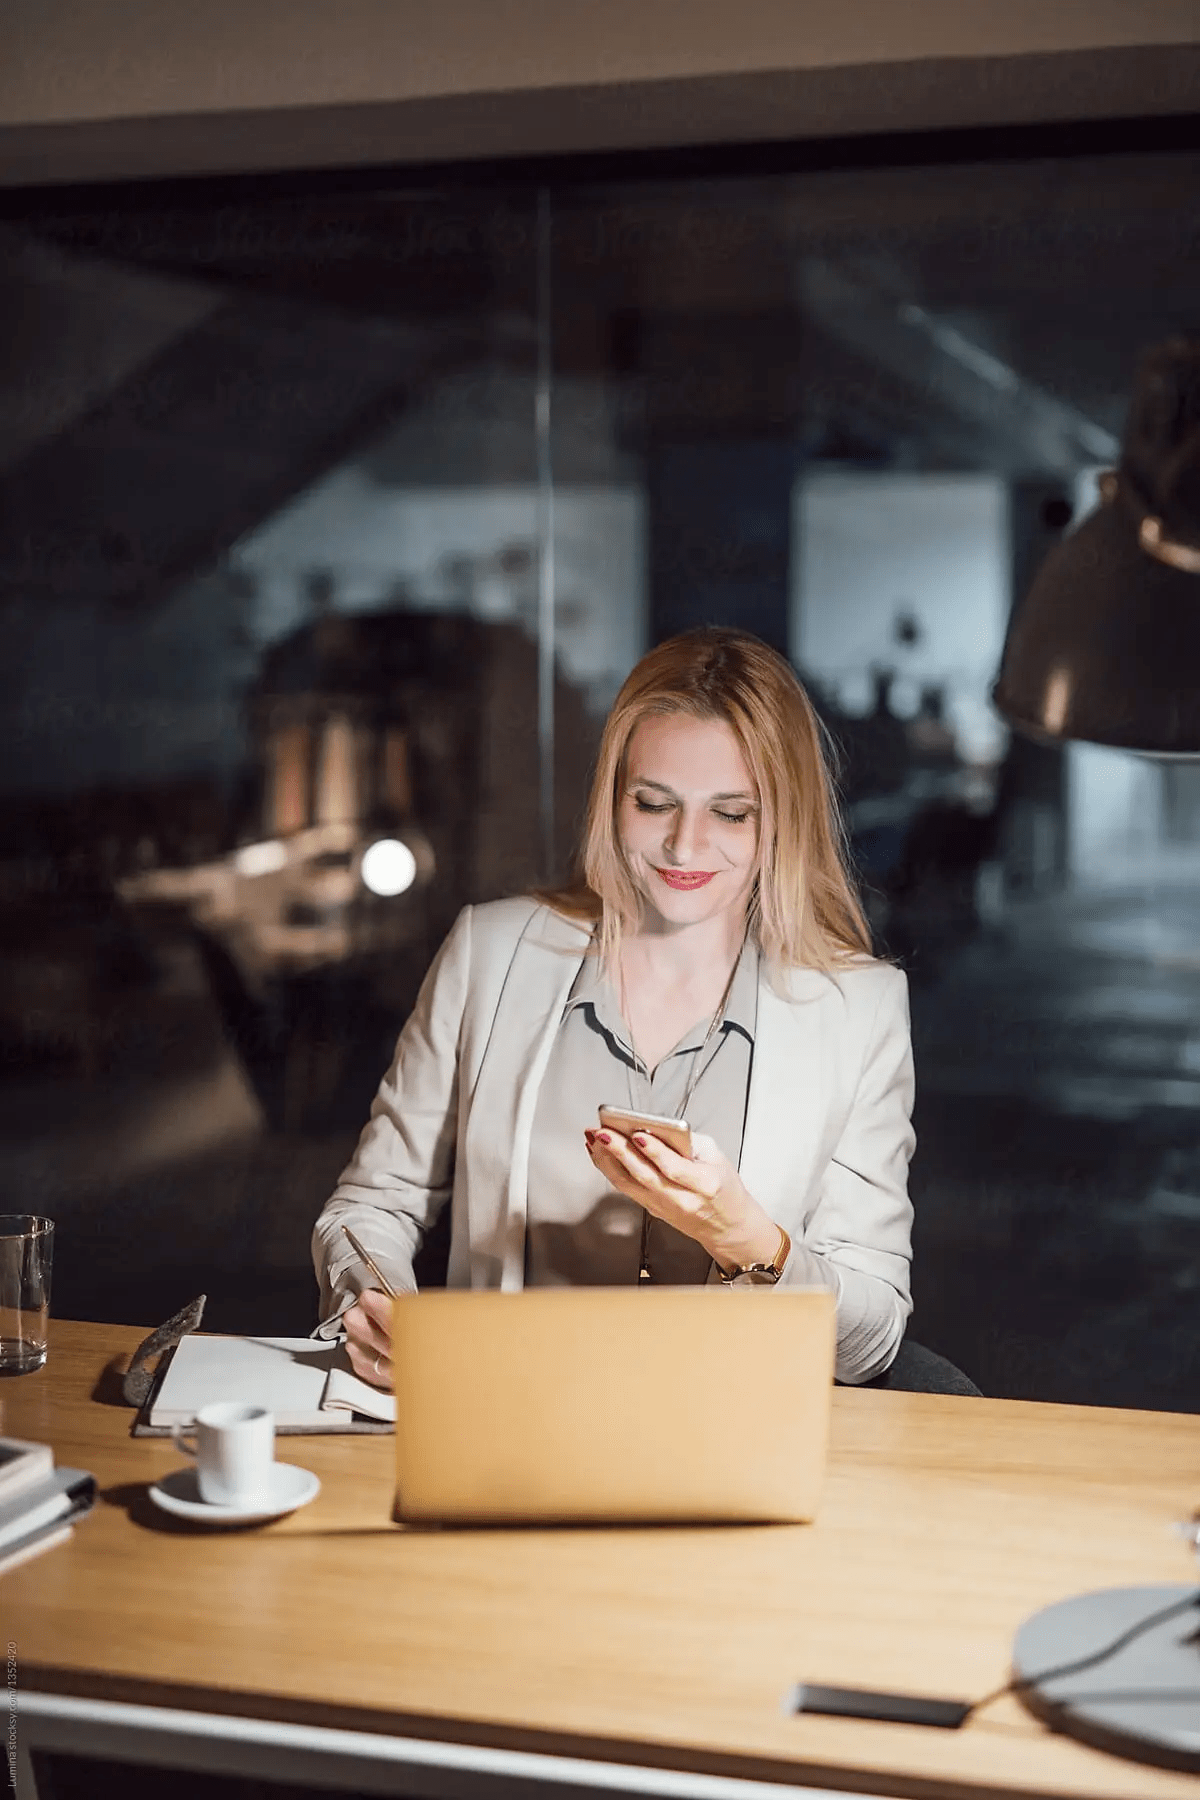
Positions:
{"x": 803, "y": 908}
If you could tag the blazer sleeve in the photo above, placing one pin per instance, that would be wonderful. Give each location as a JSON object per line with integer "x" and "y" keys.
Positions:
{"x": 861, "y": 1226}
{"x": 402, "y": 1172}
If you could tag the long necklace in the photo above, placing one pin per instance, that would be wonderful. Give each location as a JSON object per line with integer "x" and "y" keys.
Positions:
{"x": 694, "y": 1074}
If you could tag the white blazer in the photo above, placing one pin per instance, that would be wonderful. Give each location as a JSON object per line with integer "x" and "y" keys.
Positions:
{"x": 825, "y": 1150}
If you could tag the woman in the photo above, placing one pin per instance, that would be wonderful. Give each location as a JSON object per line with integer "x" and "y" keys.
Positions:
{"x": 713, "y": 963}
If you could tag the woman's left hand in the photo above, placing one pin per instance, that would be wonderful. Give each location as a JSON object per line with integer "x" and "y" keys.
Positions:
{"x": 703, "y": 1196}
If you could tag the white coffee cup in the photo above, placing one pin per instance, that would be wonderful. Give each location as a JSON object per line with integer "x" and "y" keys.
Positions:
{"x": 234, "y": 1452}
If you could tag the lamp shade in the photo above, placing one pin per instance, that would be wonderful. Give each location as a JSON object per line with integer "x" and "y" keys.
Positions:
{"x": 1106, "y": 644}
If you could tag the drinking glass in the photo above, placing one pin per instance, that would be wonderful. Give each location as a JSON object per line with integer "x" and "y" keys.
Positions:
{"x": 26, "y": 1252}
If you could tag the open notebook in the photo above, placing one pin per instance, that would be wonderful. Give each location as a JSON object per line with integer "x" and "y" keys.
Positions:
{"x": 308, "y": 1385}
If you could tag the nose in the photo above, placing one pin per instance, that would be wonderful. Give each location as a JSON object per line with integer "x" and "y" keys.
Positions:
{"x": 687, "y": 836}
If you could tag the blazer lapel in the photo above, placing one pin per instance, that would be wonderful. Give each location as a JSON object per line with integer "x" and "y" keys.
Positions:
{"x": 788, "y": 1101}
{"x": 538, "y": 984}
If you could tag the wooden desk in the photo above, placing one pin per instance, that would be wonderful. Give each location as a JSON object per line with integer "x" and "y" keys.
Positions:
{"x": 944, "y": 1523}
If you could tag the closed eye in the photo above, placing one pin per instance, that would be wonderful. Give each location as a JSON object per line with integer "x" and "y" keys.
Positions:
{"x": 663, "y": 806}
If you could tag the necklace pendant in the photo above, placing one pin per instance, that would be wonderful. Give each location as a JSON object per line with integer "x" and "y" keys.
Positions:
{"x": 643, "y": 1274}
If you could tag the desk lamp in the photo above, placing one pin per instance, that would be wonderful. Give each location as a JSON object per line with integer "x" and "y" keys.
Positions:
{"x": 1106, "y": 644}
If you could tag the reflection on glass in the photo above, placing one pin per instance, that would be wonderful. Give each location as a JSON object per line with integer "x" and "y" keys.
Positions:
{"x": 288, "y": 756}
{"x": 274, "y": 556}
{"x": 337, "y": 784}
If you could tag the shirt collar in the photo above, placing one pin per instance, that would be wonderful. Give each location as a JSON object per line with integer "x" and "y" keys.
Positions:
{"x": 741, "y": 1011}
{"x": 593, "y": 988}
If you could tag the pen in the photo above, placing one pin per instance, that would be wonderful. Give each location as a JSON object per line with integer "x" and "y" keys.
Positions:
{"x": 376, "y": 1271}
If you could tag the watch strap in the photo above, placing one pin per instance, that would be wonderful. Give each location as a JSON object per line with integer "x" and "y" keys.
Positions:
{"x": 760, "y": 1274}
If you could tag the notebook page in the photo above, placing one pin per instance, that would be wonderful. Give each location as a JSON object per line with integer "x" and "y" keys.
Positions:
{"x": 344, "y": 1392}
{"x": 286, "y": 1375}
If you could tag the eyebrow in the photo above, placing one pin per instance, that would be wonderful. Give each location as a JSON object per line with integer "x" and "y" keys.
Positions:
{"x": 646, "y": 781}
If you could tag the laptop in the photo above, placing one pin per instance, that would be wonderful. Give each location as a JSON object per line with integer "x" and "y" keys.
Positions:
{"x": 552, "y": 1405}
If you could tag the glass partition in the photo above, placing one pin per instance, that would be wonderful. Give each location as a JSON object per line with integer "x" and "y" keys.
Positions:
{"x": 334, "y": 513}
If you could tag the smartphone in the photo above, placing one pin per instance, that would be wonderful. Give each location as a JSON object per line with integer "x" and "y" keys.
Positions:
{"x": 675, "y": 1133}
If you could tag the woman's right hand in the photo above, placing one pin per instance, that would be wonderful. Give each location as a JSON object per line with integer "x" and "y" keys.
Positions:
{"x": 369, "y": 1337}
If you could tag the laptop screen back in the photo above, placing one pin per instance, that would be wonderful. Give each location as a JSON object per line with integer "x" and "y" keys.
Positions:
{"x": 612, "y": 1404}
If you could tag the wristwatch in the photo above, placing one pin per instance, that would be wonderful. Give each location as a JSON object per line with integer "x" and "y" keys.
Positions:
{"x": 759, "y": 1274}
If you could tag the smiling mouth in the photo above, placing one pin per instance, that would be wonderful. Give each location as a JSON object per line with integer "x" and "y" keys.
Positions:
{"x": 678, "y": 878}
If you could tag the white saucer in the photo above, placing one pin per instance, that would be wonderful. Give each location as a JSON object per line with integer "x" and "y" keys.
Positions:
{"x": 289, "y": 1488}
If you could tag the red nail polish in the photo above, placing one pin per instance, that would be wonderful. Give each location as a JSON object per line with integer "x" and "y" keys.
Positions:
{"x": 604, "y": 1137}
{"x": 639, "y": 1138}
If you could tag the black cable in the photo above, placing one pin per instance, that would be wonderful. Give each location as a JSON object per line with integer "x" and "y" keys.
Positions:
{"x": 1017, "y": 1683}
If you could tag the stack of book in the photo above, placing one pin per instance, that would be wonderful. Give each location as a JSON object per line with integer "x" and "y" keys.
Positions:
{"x": 38, "y": 1503}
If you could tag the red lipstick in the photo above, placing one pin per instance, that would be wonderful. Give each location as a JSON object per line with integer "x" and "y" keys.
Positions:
{"x": 686, "y": 878}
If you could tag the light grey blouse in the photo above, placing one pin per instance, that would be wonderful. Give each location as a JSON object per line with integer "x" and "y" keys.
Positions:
{"x": 580, "y": 1231}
